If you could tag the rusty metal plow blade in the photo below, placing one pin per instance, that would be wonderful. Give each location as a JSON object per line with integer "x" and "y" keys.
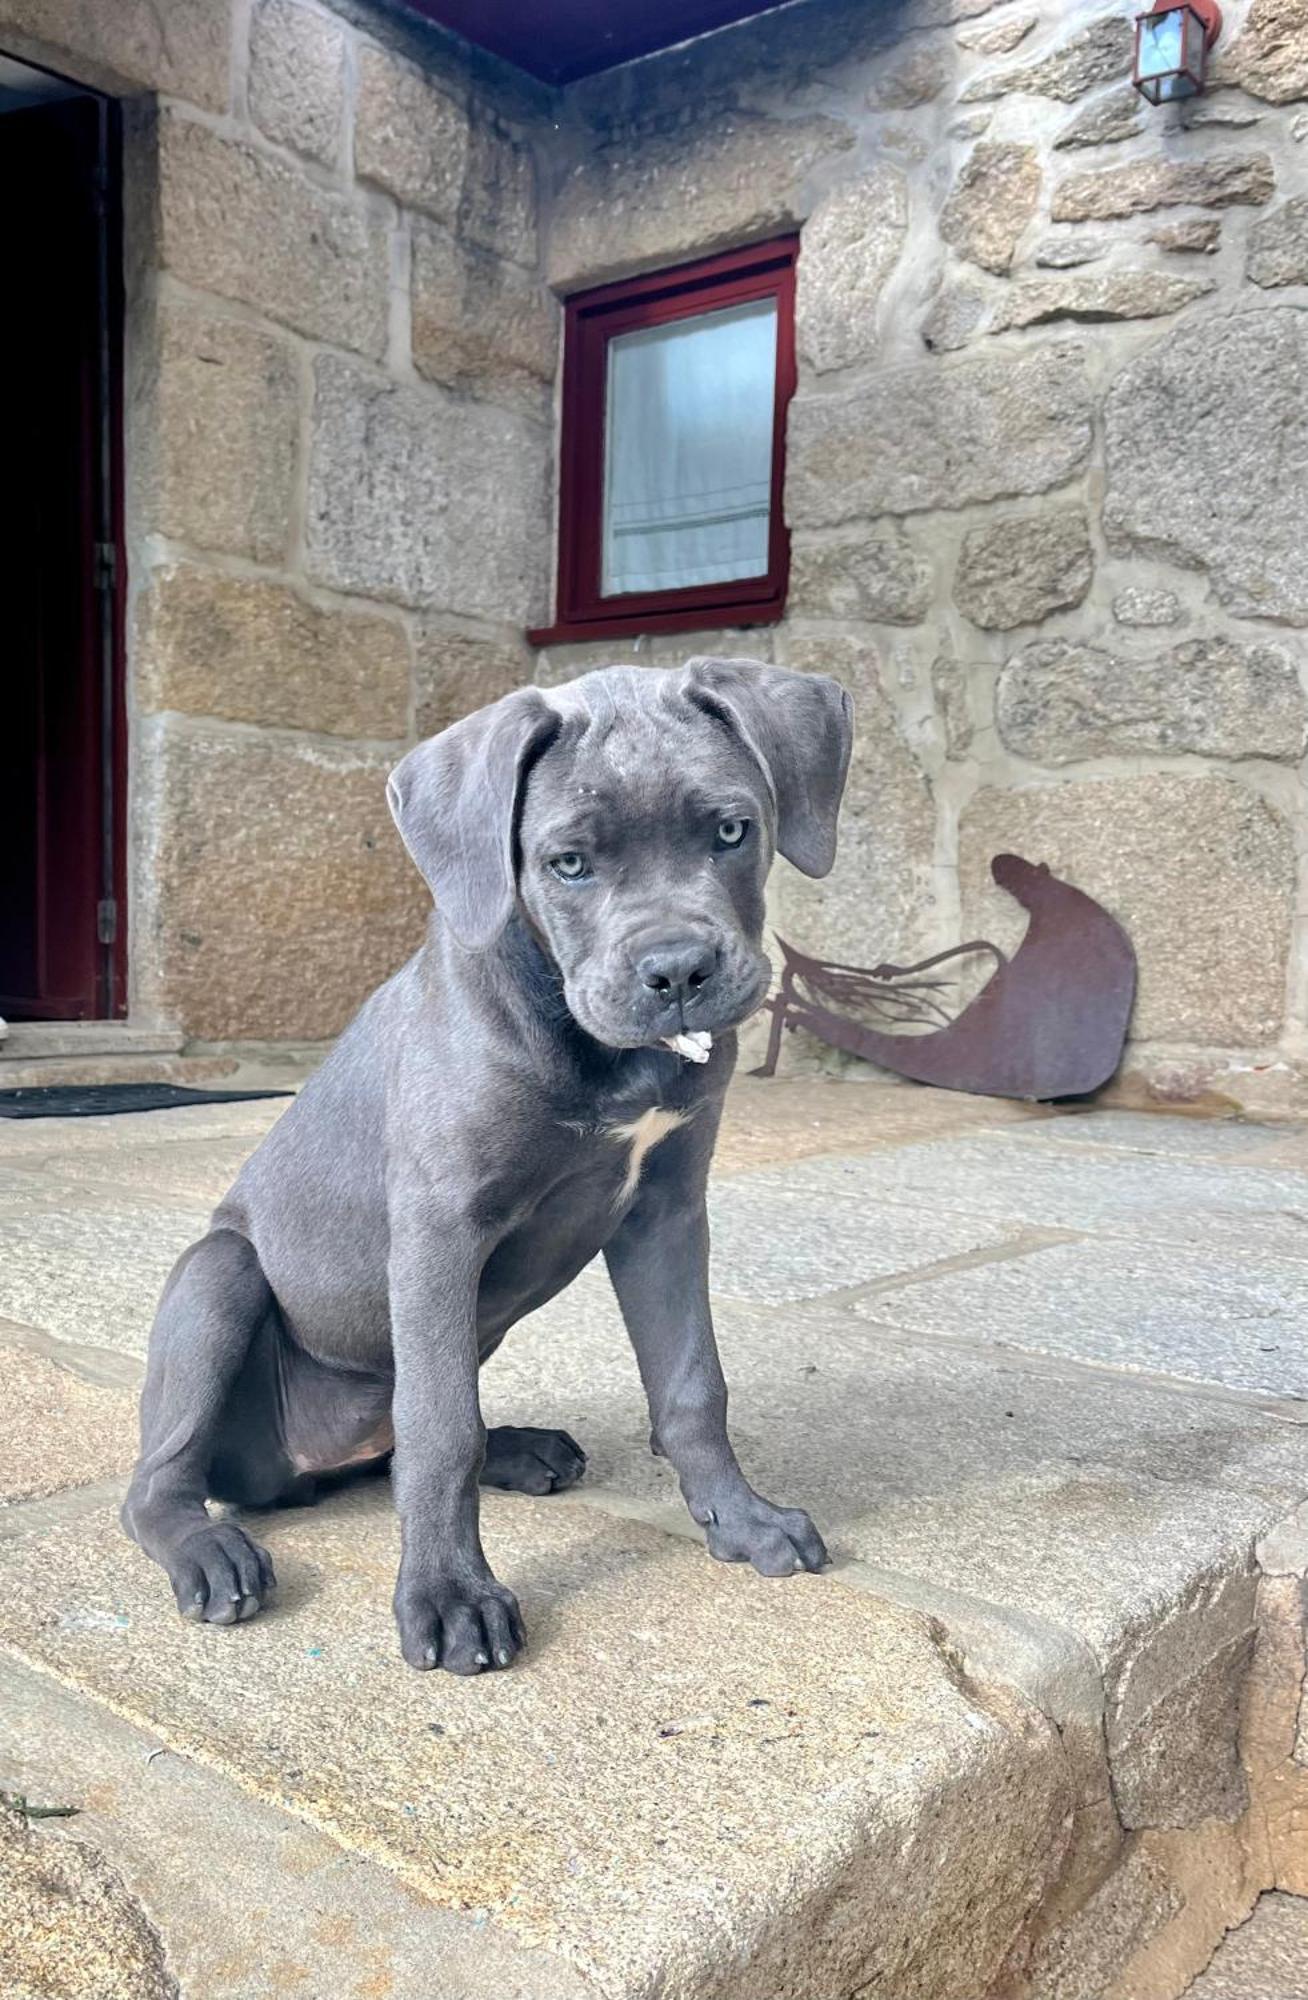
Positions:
{"x": 1050, "y": 1021}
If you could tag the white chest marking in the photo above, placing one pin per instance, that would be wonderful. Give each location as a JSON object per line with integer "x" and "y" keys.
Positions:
{"x": 641, "y": 1135}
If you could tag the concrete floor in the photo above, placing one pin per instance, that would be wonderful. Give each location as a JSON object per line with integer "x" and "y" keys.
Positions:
{"x": 1040, "y": 1376}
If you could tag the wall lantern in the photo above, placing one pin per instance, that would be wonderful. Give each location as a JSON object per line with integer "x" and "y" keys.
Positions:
{"x": 1171, "y": 48}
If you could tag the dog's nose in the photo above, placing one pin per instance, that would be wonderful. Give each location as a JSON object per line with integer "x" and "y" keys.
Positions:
{"x": 677, "y": 969}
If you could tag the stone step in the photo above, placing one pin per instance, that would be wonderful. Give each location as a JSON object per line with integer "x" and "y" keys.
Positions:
{"x": 50, "y": 1041}
{"x": 1035, "y": 1734}
{"x": 698, "y": 1781}
{"x": 39, "y": 1053}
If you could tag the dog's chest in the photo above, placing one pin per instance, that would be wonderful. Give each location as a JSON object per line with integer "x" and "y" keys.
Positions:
{"x": 637, "y": 1137}
{"x": 613, "y": 1148}
{"x": 595, "y": 1173}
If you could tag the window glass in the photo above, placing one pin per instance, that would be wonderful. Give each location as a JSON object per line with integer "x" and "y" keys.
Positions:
{"x": 688, "y": 451}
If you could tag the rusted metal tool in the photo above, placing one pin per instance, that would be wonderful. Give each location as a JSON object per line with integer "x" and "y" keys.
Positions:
{"x": 1050, "y": 1021}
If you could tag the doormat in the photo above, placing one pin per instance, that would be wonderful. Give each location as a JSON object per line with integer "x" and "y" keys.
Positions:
{"x": 93, "y": 1100}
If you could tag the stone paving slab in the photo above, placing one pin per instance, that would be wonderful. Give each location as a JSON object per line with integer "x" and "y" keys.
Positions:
{"x": 1290, "y": 1148}
{"x": 22, "y": 1187}
{"x": 668, "y": 1805}
{"x": 92, "y": 1271}
{"x": 1255, "y": 1237}
{"x": 59, "y": 1430}
{"x": 1265, "y": 1959}
{"x": 784, "y": 1118}
{"x": 289, "y": 1914}
{"x": 1023, "y": 1176}
{"x": 916, "y": 1420}
{"x": 771, "y": 1243}
{"x": 1116, "y": 1518}
{"x": 1175, "y": 1138}
{"x": 1239, "y": 1322}
{"x": 1246, "y": 1211}
{"x": 182, "y": 1170}
{"x": 248, "y": 1117}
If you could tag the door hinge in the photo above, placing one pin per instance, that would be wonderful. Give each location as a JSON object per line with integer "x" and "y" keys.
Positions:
{"x": 106, "y": 921}
{"x": 106, "y": 565}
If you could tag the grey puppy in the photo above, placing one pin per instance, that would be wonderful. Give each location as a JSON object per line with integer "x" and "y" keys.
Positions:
{"x": 502, "y": 1110}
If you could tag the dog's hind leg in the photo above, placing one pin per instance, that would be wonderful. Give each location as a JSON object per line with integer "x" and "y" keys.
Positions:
{"x": 216, "y": 1308}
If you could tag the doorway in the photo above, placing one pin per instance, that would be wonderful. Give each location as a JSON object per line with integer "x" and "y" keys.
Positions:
{"x": 62, "y": 722}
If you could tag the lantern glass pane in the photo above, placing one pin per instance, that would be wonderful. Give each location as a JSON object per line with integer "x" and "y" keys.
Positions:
{"x": 1196, "y": 46}
{"x": 1162, "y": 43}
{"x": 1177, "y": 86}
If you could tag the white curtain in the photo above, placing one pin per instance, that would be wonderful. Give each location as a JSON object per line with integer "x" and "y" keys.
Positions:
{"x": 688, "y": 450}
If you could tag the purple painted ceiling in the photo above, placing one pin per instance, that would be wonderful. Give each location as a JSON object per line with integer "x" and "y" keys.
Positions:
{"x": 557, "y": 40}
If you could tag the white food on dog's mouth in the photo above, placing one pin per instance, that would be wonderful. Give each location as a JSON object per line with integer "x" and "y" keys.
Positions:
{"x": 694, "y": 1046}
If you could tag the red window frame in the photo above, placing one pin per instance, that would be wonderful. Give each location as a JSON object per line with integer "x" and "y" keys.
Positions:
{"x": 591, "y": 320}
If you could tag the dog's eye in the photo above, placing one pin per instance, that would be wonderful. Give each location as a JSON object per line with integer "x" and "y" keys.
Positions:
{"x": 732, "y": 831}
{"x": 569, "y": 867}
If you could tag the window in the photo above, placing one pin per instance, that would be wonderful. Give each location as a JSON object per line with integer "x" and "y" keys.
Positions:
{"x": 675, "y": 388}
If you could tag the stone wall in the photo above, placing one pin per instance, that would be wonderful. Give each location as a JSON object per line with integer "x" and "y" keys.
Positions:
{"x": 339, "y": 366}
{"x": 1046, "y": 476}
{"x": 1046, "y": 467}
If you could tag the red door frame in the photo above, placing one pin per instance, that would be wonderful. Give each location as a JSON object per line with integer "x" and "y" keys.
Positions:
{"x": 65, "y": 950}
{"x": 113, "y": 559}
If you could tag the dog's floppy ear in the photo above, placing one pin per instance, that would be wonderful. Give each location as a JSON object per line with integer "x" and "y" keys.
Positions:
{"x": 455, "y": 802}
{"x": 800, "y": 727}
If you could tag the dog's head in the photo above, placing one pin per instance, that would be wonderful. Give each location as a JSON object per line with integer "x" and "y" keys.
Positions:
{"x": 631, "y": 818}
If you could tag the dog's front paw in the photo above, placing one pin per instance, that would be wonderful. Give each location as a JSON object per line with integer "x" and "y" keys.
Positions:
{"x": 465, "y": 1624}
{"x": 219, "y": 1576}
{"x": 777, "y": 1540}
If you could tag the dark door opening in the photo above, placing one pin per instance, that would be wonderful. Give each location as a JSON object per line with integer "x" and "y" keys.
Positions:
{"x": 62, "y": 725}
